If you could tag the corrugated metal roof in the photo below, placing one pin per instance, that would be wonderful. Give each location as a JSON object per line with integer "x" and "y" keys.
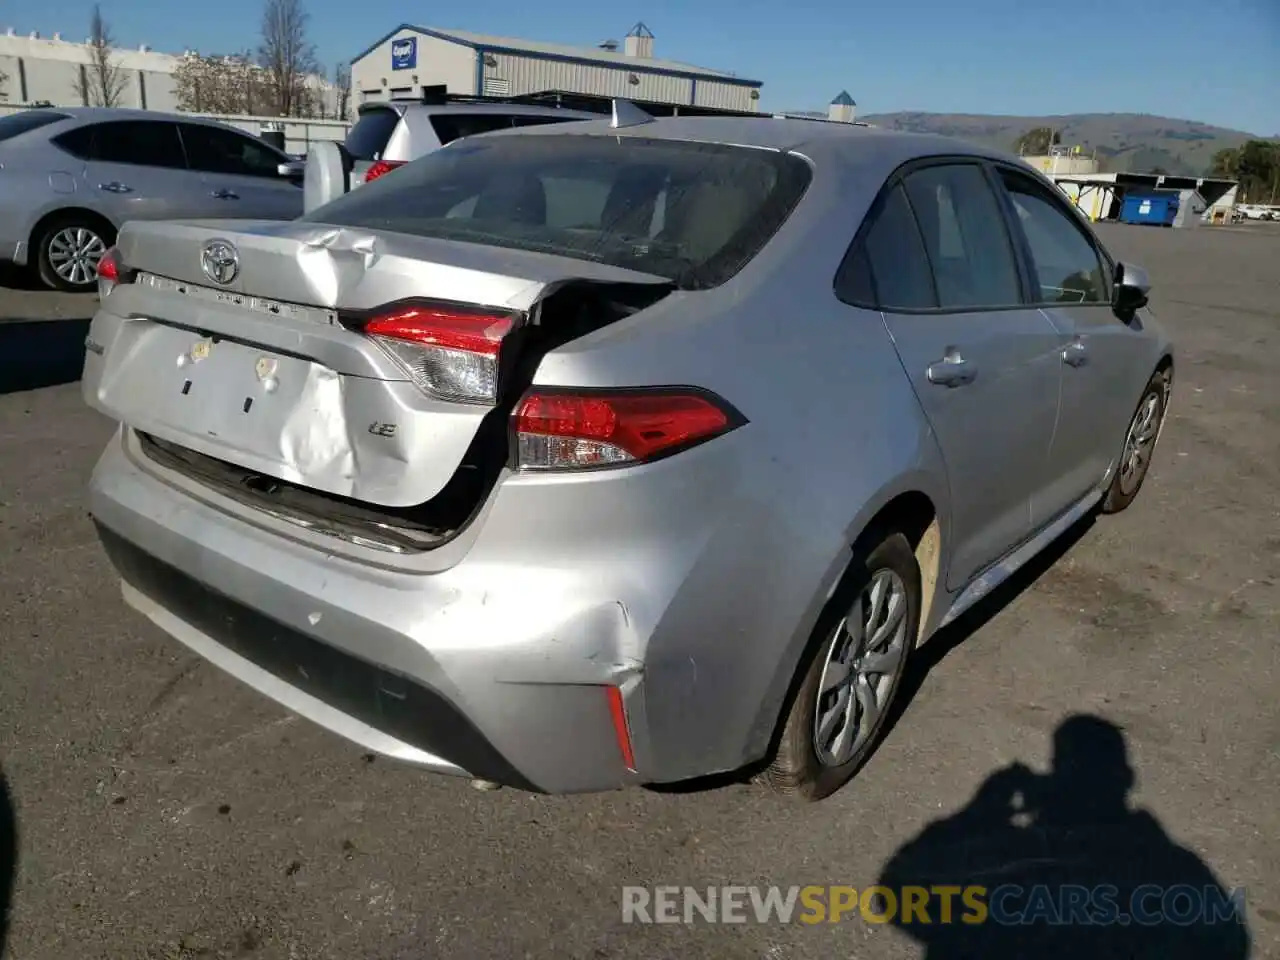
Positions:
{"x": 592, "y": 54}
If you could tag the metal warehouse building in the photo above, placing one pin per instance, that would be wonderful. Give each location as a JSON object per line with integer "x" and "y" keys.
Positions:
{"x": 472, "y": 64}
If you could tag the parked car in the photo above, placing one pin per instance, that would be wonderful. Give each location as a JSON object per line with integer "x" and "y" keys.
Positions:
{"x": 71, "y": 177}
{"x": 594, "y": 455}
{"x": 388, "y": 134}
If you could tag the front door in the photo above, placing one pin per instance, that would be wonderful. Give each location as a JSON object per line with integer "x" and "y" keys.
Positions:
{"x": 240, "y": 175}
{"x": 983, "y": 365}
{"x": 1101, "y": 357}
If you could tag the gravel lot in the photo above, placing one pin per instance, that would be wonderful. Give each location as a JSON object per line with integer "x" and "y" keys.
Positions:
{"x": 162, "y": 811}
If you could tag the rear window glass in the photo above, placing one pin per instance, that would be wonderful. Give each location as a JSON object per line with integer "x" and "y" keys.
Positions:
{"x": 692, "y": 212}
{"x": 454, "y": 126}
{"x": 28, "y": 120}
{"x": 368, "y": 138}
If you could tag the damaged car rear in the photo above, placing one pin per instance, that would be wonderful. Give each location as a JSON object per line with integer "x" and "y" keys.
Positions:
{"x": 435, "y": 466}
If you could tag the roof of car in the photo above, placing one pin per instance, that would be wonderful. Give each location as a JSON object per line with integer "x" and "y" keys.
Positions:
{"x": 128, "y": 113}
{"x": 865, "y": 144}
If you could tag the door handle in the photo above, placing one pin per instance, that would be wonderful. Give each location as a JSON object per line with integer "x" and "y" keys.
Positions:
{"x": 224, "y": 195}
{"x": 1076, "y": 354}
{"x": 952, "y": 370}
{"x": 115, "y": 186}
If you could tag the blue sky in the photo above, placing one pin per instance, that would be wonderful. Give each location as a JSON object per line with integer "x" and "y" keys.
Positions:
{"x": 1217, "y": 61}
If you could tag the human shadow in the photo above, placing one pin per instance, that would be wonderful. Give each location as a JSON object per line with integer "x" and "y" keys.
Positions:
{"x": 41, "y": 353}
{"x": 1059, "y": 865}
{"x": 8, "y": 857}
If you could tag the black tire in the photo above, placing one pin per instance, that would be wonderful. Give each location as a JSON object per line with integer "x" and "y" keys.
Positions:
{"x": 45, "y": 257}
{"x": 796, "y": 769}
{"x": 1126, "y": 483}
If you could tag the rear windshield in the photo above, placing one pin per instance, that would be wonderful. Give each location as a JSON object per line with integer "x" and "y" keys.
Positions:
{"x": 368, "y": 138}
{"x": 692, "y": 212}
{"x": 27, "y": 121}
{"x": 454, "y": 126}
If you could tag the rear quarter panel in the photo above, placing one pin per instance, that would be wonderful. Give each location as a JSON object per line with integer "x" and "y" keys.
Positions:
{"x": 834, "y": 432}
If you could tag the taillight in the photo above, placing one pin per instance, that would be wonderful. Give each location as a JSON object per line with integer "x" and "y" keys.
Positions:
{"x": 450, "y": 352}
{"x": 571, "y": 429}
{"x": 112, "y": 272}
{"x": 381, "y": 167}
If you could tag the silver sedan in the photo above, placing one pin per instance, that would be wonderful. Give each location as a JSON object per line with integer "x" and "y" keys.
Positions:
{"x": 612, "y": 453}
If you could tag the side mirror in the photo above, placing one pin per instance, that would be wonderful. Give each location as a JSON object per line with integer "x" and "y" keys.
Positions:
{"x": 293, "y": 169}
{"x": 1132, "y": 290}
{"x": 327, "y": 177}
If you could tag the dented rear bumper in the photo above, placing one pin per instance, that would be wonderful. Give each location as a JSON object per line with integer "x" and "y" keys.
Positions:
{"x": 491, "y": 668}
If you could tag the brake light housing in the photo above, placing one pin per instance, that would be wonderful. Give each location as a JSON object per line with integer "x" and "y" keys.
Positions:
{"x": 593, "y": 429}
{"x": 381, "y": 168}
{"x": 450, "y": 351}
{"x": 112, "y": 272}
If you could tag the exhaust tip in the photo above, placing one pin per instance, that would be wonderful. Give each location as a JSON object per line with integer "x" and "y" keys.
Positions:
{"x": 485, "y": 785}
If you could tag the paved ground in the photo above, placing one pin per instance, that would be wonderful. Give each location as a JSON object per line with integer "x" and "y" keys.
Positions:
{"x": 162, "y": 811}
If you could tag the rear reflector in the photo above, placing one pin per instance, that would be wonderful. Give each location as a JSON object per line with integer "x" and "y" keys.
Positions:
{"x": 450, "y": 352}
{"x": 380, "y": 168}
{"x": 566, "y": 430}
{"x": 621, "y": 729}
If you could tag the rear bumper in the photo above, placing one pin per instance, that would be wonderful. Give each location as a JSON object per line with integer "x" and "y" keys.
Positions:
{"x": 442, "y": 670}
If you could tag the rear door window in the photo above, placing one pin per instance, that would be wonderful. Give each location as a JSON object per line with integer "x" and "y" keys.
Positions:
{"x": 693, "y": 212}
{"x": 965, "y": 236}
{"x": 26, "y": 121}
{"x": 371, "y": 133}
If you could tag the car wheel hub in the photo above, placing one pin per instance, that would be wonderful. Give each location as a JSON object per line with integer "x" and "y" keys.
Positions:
{"x": 74, "y": 253}
{"x": 862, "y": 665}
{"x": 1139, "y": 444}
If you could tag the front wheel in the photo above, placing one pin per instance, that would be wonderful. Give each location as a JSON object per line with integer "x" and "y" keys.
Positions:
{"x": 1139, "y": 445}
{"x": 68, "y": 251}
{"x": 850, "y": 683}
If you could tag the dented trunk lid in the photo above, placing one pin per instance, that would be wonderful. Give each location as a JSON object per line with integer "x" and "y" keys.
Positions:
{"x": 259, "y": 372}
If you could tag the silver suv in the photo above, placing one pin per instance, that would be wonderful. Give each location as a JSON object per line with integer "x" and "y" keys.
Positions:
{"x": 390, "y": 133}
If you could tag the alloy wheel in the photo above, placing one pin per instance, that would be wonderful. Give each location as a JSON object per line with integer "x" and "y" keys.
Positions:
{"x": 1139, "y": 444}
{"x": 863, "y": 661}
{"x": 74, "y": 253}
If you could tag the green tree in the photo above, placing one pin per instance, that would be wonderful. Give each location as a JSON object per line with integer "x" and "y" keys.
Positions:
{"x": 1255, "y": 165}
{"x": 1037, "y": 141}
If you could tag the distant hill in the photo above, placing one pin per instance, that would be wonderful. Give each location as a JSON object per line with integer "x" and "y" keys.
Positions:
{"x": 1134, "y": 142}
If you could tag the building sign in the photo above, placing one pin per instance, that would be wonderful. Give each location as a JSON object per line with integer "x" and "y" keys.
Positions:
{"x": 404, "y": 53}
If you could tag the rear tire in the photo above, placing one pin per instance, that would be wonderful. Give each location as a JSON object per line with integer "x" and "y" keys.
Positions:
{"x": 68, "y": 248}
{"x": 882, "y": 586}
{"x": 1139, "y": 445}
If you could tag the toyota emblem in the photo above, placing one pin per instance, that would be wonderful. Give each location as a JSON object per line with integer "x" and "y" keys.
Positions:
{"x": 220, "y": 261}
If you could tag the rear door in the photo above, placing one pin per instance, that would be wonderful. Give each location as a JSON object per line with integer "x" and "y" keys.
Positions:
{"x": 240, "y": 174}
{"x": 135, "y": 169}
{"x": 939, "y": 263}
{"x": 1105, "y": 363}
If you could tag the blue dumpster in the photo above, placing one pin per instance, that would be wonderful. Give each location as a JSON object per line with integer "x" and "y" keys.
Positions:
{"x": 1155, "y": 208}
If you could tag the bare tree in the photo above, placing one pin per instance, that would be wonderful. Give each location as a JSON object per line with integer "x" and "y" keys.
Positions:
{"x": 4, "y": 78}
{"x": 286, "y": 55}
{"x": 223, "y": 83}
{"x": 342, "y": 82}
{"x": 101, "y": 82}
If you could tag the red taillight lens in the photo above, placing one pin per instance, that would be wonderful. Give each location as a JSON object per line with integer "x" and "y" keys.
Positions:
{"x": 567, "y": 430}
{"x": 112, "y": 272}
{"x": 380, "y": 168}
{"x": 450, "y": 352}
